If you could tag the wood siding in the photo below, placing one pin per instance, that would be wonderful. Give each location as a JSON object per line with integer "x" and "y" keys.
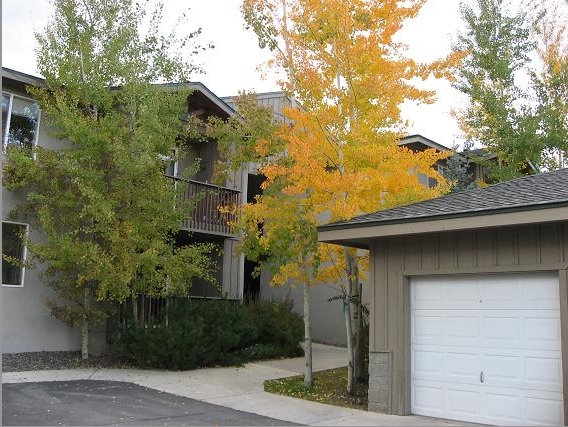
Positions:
{"x": 542, "y": 247}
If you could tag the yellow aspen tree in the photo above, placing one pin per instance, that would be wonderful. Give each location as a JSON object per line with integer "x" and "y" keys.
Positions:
{"x": 341, "y": 155}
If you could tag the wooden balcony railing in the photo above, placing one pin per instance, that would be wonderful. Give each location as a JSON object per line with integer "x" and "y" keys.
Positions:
{"x": 212, "y": 210}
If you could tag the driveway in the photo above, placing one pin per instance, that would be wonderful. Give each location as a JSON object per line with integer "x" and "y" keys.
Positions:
{"x": 98, "y": 403}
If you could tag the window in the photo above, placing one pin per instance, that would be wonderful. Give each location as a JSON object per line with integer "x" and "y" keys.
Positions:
{"x": 13, "y": 249}
{"x": 20, "y": 121}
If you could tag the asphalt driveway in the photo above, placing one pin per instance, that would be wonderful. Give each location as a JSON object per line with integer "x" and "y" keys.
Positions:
{"x": 93, "y": 403}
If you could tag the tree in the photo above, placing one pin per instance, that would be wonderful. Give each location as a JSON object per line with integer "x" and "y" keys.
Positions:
{"x": 457, "y": 175}
{"x": 520, "y": 122}
{"x": 108, "y": 214}
{"x": 340, "y": 157}
{"x": 551, "y": 84}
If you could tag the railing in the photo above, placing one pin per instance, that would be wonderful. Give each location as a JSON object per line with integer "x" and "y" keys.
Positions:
{"x": 149, "y": 313}
{"x": 212, "y": 207}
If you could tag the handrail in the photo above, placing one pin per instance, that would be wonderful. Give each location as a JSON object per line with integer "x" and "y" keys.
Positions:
{"x": 207, "y": 214}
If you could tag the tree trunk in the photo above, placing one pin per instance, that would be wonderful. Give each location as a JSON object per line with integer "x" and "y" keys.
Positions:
{"x": 135, "y": 309}
{"x": 356, "y": 317}
{"x": 308, "y": 377}
{"x": 350, "y": 354}
{"x": 85, "y": 324}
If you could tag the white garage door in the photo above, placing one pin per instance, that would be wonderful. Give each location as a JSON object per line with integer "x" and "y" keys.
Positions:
{"x": 486, "y": 348}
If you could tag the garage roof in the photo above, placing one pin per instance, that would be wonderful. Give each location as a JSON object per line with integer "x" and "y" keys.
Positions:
{"x": 500, "y": 204}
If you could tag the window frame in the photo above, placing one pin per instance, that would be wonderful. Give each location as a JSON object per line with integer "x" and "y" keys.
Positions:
{"x": 24, "y": 255}
{"x": 9, "y": 120}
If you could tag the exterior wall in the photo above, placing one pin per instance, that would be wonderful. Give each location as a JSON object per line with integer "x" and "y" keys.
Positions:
{"x": 328, "y": 322}
{"x": 27, "y": 325}
{"x": 395, "y": 260}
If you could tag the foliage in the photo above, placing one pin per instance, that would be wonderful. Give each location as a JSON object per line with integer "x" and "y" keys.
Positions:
{"x": 201, "y": 333}
{"x": 524, "y": 124}
{"x": 329, "y": 388}
{"x": 98, "y": 193}
{"x": 237, "y": 136}
{"x": 278, "y": 330}
{"x": 551, "y": 85}
{"x": 456, "y": 174}
{"x": 340, "y": 156}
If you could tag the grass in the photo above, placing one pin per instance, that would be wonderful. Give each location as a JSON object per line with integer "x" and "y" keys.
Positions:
{"x": 329, "y": 387}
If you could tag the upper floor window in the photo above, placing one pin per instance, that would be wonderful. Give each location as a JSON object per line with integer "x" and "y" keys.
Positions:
{"x": 13, "y": 253}
{"x": 20, "y": 121}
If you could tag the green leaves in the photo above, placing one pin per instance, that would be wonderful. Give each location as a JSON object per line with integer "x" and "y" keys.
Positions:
{"x": 509, "y": 118}
{"x": 98, "y": 194}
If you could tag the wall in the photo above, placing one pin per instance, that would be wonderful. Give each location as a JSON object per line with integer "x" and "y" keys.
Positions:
{"x": 394, "y": 260}
{"x": 26, "y": 322}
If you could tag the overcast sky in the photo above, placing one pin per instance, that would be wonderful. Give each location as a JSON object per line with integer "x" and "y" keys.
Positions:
{"x": 233, "y": 64}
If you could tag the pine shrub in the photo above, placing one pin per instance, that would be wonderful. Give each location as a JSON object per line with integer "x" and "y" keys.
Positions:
{"x": 203, "y": 333}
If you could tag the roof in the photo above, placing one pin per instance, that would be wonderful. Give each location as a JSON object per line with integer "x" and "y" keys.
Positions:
{"x": 422, "y": 140}
{"x": 19, "y": 77}
{"x": 28, "y": 79}
{"x": 527, "y": 194}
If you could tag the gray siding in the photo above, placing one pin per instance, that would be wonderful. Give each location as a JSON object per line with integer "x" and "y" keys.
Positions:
{"x": 396, "y": 259}
{"x": 26, "y": 323}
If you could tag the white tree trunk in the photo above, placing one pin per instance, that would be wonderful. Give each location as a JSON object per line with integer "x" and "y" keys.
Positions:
{"x": 350, "y": 353}
{"x": 308, "y": 377}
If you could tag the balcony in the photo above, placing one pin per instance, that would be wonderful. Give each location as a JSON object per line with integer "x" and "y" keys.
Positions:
{"x": 207, "y": 215}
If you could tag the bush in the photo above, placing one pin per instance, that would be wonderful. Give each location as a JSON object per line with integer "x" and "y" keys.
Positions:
{"x": 201, "y": 333}
{"x": 278, "y": 330}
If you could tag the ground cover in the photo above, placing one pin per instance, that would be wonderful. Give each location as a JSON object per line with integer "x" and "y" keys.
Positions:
{"x": 330, "y": 386}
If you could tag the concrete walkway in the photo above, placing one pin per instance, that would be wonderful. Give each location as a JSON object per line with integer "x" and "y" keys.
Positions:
{"x": 242, "y": 389}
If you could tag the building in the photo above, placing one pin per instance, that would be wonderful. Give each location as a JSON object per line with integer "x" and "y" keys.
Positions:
{"x": 27, "y": 324}
{"x": 469, "y": 303}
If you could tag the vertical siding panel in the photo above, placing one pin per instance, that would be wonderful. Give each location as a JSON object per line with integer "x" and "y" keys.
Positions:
{"x": 373, "y": 265}
{"x": 505, "y": 247}
{"x": 564, "y": 243}
{"x": 549, "y": 243}
{"x": 395, "y": 337}
{"x": 411, "y": 253}
{"x": 465, "y": 249}
{"x": 485, "y": 249}
{"x": 380, "y": 295}
{"x": 428, "y": 251}
{"x": 563, "y": 290}
{"x": 447, "y": 250}
{"x": 527, "y": 246}
{"x": 475, "y": 236}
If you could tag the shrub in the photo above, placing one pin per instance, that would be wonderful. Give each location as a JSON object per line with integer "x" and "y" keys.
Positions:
{"x": 201, "y": 333}
{"x": 278, "y": 330}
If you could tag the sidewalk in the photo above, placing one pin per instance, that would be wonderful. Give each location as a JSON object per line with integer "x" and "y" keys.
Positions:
{"x": 242, "y": 389}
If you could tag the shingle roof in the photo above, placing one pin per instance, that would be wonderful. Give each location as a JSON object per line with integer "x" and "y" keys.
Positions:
{"x": 539, "y": 191}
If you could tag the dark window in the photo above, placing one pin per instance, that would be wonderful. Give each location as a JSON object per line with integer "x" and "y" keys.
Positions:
{"x": 13, "y": 253}
{"x": 20, "y": 120}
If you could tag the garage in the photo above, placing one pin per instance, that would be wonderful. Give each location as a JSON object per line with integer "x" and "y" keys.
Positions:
{"x": 486, "y": 348}
{"x": 469, "y": 303}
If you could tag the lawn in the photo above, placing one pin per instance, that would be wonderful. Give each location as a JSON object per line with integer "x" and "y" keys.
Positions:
{"x": 329, "y": 387}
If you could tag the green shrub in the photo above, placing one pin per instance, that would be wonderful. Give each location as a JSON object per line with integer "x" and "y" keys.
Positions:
{"x": 201, "y": 333}
{"x": 279, "y": 330}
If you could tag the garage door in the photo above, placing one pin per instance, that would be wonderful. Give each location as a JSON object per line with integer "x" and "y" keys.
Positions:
{"x": 486, "y": 348}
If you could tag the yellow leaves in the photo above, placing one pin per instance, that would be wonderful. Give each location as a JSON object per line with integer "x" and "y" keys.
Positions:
{"x": 341, "y": 157}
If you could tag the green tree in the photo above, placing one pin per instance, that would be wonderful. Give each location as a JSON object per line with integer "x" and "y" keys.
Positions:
{"x": 457, "y": 175}
{"x": 108, "y": 214}
{"x": 551, "y": 83}
{"x": 512, "y": 110}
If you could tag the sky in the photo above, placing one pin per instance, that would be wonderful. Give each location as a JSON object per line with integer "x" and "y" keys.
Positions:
{"x": 233, "y": 65}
